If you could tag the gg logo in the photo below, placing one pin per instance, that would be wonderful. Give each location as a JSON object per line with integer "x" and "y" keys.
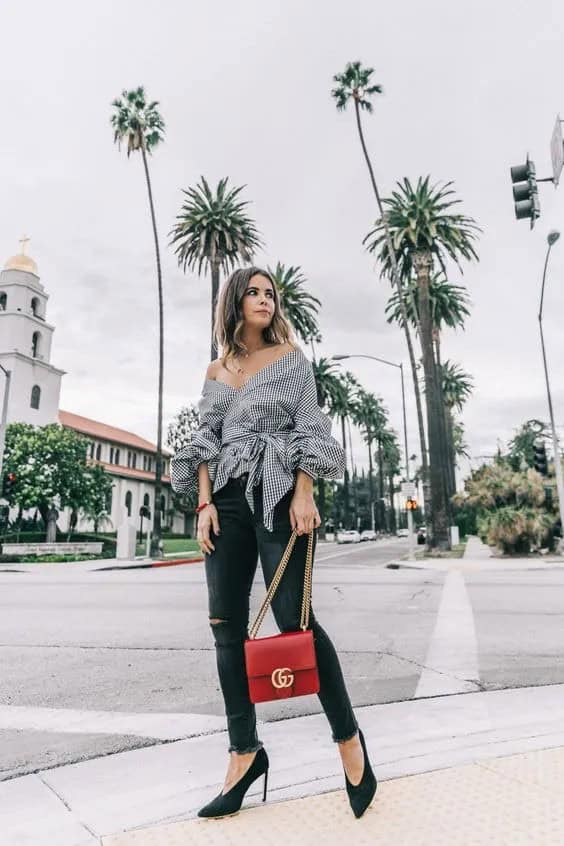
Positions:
{"x": 282, "y": 677}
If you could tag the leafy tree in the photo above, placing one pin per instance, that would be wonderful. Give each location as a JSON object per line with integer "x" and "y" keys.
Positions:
{"x": 50, "y": 464}
{"x": 95, "y": 505}
{"x": 355, "y": 84}
{"x": 457, "y": 387}
{"x": 213, "y": 233}
{"x": 370, "y": 416}
{"x": 512, "y": 509}
{"x": 426, "y": 230}
{"x": 139, "y": 124}
{"x": 521, "y": 447}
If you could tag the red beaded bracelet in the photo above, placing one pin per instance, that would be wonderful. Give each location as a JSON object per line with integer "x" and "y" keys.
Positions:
{"x": 201, "y": 507}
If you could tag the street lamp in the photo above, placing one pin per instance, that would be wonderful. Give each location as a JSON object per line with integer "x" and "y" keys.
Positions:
{"x": 552, "y": 238}
{"x": 407, "y": 473}
{"x": 4, "y": 418}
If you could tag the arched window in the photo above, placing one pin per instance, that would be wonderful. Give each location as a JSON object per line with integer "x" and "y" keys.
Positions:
{"x": 35, "y": 344}
{"x": 35, "y": 396}
{"x": 163, "y": 503}
{"x": 128, "y": 499}
{"x": 92, "y": 450}
{"x": 35, "y": 307}
{"x": 116, "y": 457}
{"x": 3, "y": 300}
{"x": 98, "y": 452}
{"x": 147, "y": 500}
{"x": 109, "y": 497}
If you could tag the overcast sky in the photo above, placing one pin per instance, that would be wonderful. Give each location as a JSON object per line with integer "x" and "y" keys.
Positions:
{"x": 244, "y": 89}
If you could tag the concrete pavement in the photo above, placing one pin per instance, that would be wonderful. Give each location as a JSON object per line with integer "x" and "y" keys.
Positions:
{"x": 467, "y": 738}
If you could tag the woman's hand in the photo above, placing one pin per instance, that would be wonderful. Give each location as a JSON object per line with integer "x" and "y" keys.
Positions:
{"x": 207, "y": 519}
{"x": 304, "y": 515}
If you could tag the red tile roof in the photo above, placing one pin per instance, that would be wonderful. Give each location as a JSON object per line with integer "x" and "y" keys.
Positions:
{"x": 130, "y": 472}
{"x": 95, "y": 429}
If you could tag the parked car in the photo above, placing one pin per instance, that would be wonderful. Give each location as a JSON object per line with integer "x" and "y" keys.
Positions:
{"x": 348, "y": 536}
{"x": 402, "y": 533}
{"x": 368, "y": 535}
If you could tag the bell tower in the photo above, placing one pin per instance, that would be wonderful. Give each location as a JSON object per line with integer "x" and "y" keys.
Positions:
{"x": 25, "y": 343}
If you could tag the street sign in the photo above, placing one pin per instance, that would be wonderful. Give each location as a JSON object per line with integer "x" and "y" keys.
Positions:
{"x": 557, "y": 151}
{"x": 408, "y": 489}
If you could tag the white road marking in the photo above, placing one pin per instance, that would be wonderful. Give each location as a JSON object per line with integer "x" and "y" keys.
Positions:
{"x": 355, "y": 548}
{"x": 72, "y": 721}
{"x": 452, "y": 656}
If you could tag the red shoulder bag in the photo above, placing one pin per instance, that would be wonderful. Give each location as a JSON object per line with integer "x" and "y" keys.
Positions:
{"x": 283, "y": 665}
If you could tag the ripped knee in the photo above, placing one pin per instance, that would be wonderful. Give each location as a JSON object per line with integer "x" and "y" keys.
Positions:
{"x": 215, "y": 621}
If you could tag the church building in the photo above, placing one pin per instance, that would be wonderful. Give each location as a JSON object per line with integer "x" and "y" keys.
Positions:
{"x": 35, "y": 386}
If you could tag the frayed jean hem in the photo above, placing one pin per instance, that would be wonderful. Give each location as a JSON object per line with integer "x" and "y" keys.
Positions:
{"x": 248, "y": 749}
{"x": 343, "y": 739}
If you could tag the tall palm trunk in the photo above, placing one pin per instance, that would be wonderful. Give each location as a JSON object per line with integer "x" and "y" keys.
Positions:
{"x": 439, "y": 514}
{"x": 346, "y": 493}
{"x": 421, "y": 427}
{"x": 451, "y": 452}
{"x": 393, "y": 522}
{"x": 354, "y": 484}
{"x": 381, "y": 500}
{"x": 446, "y": 458}
{"x": 214, "y": 295}
{"x": 371, "y": 484}
{"x": 396, "y": 280}
{"x": 156, "y": 534}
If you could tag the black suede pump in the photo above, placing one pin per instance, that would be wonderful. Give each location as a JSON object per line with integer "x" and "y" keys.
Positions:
{"x": 230, "y": 802}
{"x": 362, "y": 794}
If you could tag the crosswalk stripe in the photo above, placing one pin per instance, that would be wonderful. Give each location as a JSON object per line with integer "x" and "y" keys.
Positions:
{"x": 452, "y": 655}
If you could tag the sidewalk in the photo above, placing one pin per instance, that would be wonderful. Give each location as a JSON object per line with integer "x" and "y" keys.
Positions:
{"x": 474, "y": 768}
{"x": 478, "y": 556}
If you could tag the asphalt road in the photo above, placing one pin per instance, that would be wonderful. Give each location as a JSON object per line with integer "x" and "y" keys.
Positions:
{"x": 138, "y": 642}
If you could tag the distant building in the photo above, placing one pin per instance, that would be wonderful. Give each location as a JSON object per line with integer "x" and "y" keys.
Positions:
{"x": 25, "y": 350}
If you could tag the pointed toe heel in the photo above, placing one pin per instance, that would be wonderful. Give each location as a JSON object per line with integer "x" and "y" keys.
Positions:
{"x": 361, "y": 794}
{"x": 226, "y": 804}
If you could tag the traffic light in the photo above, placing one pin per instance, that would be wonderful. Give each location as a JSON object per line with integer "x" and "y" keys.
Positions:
{"x": 411, "y": 504}
{"x": 525, "y": 191}
{"x": 539, "y": 460}
{"x": 8, "y": 485}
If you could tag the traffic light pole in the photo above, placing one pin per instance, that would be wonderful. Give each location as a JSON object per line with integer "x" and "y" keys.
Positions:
{"x": 555, "y": 444}
{"x": 4, "y": 419}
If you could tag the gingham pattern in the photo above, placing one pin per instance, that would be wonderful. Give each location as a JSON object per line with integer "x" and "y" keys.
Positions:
{"x": 270, "y": 427}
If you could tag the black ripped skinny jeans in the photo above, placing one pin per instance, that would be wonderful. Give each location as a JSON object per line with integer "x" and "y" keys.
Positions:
{"x": 230, "y": 570}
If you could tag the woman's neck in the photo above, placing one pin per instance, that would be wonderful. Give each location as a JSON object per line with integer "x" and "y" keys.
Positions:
{"x": 254, "y": 341}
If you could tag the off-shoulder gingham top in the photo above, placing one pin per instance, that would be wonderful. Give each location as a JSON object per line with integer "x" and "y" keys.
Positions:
{"x": 269, "y": 427}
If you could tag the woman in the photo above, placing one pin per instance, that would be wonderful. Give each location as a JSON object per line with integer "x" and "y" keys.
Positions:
{"x": 261, "y": 441}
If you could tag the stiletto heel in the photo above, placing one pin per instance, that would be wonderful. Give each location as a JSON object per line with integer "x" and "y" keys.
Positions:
{"x": 362, "y": 794}
{"x": 230, "y": 802}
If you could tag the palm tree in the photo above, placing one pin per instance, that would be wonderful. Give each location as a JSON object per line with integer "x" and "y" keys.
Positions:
{"x": 371, "y": 417}
{"x": 426, "y": 230}
{"x": 139, "y": 124}
{"x": 449, "y": 308}
{"x": 330, "y": 398}
{"x": 457, "y": 388}
{"x": 343, "y": 406}
{"x": 355, "y": 84}
{"x": 299, "y": 306}
{"x": 213, "y": 233}
{"x": 391, "y": 454}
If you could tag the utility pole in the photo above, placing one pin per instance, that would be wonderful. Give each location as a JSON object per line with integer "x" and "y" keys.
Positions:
{"x": 3, "y": 421}
{"x": 552, "y": 238}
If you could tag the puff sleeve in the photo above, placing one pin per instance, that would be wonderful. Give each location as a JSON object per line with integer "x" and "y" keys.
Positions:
{"x": 204, "y": 445}
{"x": 311, "y": 446}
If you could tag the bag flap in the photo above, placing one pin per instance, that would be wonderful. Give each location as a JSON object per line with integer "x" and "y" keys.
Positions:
{"x": 292, "y": 650}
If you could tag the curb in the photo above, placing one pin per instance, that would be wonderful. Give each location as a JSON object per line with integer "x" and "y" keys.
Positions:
{"x": 151, "y": 564}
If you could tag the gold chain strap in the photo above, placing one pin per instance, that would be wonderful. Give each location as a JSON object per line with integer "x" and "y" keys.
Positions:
{"x": 308, "y": 578}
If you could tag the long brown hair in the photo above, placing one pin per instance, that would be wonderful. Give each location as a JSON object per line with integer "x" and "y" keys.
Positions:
{"x": 229, "y": 321}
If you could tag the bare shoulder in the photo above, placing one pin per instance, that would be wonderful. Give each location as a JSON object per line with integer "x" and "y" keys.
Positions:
{"x": 214, "y": 368}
